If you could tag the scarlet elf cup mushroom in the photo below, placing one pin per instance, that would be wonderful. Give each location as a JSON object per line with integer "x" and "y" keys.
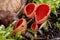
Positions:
{"x": 29, "y": 10}
{"x": 42, "y": 13}
{"x": 20, "y": 26}
{"x": 34, "y": 26}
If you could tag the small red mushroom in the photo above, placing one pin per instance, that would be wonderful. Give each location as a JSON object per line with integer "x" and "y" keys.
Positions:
{"x": 29, "y": 10}
{"x": 21, "y": 26}
{"x": 42, "y": 13}
{"x": 34, "y": 26}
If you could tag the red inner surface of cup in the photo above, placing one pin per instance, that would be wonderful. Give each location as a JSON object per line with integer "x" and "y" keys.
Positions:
{"x": 19, "y": 23}
{"x": 30, "y": 8}
{"x": 42, "y": 11}
{"x": 33, "y": 26}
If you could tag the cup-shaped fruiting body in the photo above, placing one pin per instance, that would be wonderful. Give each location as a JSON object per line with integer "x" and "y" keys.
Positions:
{"x": 42, "y": 13}
{"x": 21, "y": 26}
{"x": 29, "y": 10}
{"x": 34, "y": 26}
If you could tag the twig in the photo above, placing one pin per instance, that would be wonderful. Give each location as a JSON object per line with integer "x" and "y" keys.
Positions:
{"x": 39, "y": 30}
{"x": 56, "y": 39}
{"x": 29, "y": 21}
{"x": 21, "y": 9}
{"x": 42, "y": 25}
